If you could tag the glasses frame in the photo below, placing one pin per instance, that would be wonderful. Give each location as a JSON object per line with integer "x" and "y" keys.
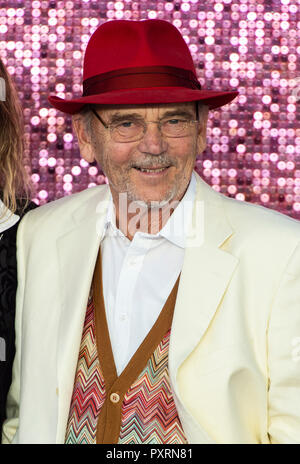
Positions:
{"x": 109, "y": 126}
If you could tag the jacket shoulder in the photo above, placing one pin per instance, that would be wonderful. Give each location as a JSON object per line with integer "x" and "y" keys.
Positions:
{"x": 257, "y": 218}
{"x": 252, "y": 223}
{"x": 56, "y": 214}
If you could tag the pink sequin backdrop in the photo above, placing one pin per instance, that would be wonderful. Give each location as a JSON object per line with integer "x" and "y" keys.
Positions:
{"x": 253, "y": 151}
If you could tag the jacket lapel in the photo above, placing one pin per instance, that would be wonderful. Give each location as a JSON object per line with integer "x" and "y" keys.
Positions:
{"x": 206, "y": 273}
{"x": 77, "y": 253}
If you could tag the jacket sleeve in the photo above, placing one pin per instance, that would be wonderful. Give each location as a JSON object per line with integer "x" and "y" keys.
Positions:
{"x": 10, "y": 426}
{"x": 284, "y": 357}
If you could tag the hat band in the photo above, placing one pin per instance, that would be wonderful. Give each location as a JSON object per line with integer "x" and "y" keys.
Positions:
{"x": 139, "y": 77}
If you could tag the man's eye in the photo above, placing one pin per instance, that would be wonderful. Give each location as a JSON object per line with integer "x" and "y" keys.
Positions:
{"x": 175, "y": 121}
{"x": 126, "y": 124}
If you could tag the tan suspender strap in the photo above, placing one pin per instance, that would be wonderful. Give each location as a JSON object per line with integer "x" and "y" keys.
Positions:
{"x": 108, "y": 426}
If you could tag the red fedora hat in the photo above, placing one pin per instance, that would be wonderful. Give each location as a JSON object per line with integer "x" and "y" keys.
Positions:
{"x": 139, "y": 62}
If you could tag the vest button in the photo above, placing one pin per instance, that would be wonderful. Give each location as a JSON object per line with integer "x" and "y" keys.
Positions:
{"x": 114, "y": 398}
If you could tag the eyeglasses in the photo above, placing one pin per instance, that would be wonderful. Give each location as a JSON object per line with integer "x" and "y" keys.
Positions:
{"x": 133, "y": 129}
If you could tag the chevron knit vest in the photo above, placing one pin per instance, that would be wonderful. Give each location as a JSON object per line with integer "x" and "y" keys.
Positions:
{"x": 136, "y": 407}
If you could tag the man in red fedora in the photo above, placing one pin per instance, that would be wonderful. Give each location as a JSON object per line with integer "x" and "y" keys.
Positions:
{"x": 153, "y": 309}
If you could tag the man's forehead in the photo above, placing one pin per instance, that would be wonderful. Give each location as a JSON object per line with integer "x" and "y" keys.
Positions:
{"x": 160, "y": 107}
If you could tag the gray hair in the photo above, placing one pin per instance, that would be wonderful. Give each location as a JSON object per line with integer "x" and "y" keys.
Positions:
{"x": 86, "y": 116}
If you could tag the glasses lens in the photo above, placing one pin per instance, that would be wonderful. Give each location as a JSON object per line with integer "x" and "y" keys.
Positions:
{"x": 175, "y": 127}
{"x": 126, "y": 131}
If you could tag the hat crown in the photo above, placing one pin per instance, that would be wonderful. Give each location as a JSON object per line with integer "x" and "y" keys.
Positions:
{"x": 122, "y": 44}
{"x": 137, "y": 63}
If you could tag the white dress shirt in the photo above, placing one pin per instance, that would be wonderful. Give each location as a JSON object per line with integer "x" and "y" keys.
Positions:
{"x": 138, "y": 276}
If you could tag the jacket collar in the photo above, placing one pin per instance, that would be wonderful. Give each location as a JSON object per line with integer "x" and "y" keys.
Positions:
{"x": 7, "y": 217}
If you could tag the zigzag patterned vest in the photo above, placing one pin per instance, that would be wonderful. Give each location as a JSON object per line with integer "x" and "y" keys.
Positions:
{"x": 136, "y": 407}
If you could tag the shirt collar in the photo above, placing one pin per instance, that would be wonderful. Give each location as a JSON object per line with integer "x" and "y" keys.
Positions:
{"x": 175, "y": 228}
{"x": 8, "y": 219}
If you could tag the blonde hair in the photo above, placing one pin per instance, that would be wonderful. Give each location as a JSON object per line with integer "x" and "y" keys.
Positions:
{"x": 14, "y": 180}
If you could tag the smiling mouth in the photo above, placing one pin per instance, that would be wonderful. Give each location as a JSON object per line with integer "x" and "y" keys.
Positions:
{"x": 152, "y": 170}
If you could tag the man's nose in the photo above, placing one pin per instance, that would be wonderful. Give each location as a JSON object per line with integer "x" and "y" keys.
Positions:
{"x": 152, "y": 142}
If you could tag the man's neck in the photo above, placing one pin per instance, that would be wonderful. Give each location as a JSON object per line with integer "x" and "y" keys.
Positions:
{"x": 138, "y": 218}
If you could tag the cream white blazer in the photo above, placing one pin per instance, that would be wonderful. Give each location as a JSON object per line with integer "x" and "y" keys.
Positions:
{"x": 234, "y": 357}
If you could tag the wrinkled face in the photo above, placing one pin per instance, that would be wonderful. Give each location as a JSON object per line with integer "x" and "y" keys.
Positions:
{"x": 123, "y": 162}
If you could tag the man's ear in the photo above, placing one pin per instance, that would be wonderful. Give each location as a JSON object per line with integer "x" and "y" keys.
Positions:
{"x": 201, "y": 139}
{"x": 85, "y": 145}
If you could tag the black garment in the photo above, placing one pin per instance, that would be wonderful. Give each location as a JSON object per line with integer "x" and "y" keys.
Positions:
{"x": 8, "y": 286}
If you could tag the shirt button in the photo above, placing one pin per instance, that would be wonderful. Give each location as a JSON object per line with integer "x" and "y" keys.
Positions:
{"x": 114, "y": 398}
{"x": 123, "y": 316}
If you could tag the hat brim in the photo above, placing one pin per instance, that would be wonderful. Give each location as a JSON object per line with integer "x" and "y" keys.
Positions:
{"x": 140, "y": 96}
